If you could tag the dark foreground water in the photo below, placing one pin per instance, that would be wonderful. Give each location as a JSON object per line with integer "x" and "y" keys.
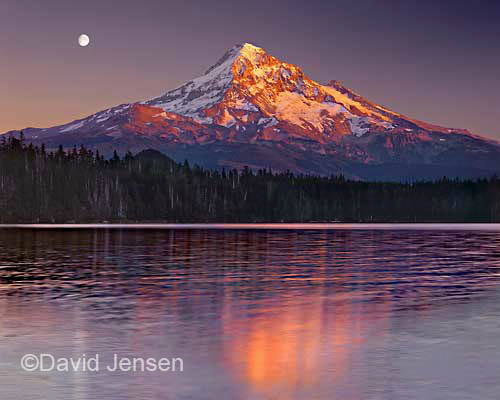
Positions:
{"x": 254, "y": 314}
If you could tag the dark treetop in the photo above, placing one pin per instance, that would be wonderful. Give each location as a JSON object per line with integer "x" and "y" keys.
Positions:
{"x": 80, "y": 186}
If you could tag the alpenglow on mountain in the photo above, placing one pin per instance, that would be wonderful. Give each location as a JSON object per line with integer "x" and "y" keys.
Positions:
{"x": 251, "y": 109}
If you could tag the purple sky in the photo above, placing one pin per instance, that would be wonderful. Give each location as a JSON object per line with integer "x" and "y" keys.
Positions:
{"x": 437, "y": 61}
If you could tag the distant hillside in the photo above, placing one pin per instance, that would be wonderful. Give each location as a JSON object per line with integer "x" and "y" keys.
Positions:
{"x": 80, "y": 186}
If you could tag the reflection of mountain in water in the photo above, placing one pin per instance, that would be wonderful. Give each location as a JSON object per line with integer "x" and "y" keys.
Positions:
{"x": 255, "y": 314}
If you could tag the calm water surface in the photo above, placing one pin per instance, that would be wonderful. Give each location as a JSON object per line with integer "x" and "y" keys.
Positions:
{"x": 255, "y": 314}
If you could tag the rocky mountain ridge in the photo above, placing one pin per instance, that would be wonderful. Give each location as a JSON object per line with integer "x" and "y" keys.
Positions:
{"x": 252, "y": 109}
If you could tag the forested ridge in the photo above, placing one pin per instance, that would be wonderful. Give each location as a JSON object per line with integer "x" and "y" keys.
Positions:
{"x": 37, "y": 186}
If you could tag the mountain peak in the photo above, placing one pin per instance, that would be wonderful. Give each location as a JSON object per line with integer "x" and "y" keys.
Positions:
{"x": 244, "y": 50}
{"x": 251, "y": 108}
{"x": 249, "y": 95}
{"x": 248, "y": 85}
{"x": 195, "y": 97}
{"x": 249, "y": 50}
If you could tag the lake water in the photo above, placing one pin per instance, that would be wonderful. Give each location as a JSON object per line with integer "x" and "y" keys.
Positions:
{"x": 326, "y": 312}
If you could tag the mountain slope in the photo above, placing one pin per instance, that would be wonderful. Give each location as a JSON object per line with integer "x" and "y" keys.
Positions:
{"x": 252, "y": 109}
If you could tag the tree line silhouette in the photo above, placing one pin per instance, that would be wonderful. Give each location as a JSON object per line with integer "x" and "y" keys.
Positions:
{"x": 37, "y": 186}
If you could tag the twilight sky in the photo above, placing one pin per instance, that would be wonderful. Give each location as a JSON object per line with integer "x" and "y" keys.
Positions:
{"x": 434, "y": 60}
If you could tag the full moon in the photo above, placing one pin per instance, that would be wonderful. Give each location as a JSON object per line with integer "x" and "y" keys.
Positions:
{"x": 83, "y": 40}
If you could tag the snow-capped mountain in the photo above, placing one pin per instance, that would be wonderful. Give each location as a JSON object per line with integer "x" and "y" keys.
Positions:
{"x": 252, "y": 109}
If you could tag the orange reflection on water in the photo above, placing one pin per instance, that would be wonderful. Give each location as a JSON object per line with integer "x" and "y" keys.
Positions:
{"x": 299, "y": 343}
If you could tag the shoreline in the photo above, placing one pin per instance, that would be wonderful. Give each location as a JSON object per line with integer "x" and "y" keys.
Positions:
{"x": 266, "y": 226}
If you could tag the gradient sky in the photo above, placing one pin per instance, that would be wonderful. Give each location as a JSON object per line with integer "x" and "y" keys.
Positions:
{"x": 438, "y": 61}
